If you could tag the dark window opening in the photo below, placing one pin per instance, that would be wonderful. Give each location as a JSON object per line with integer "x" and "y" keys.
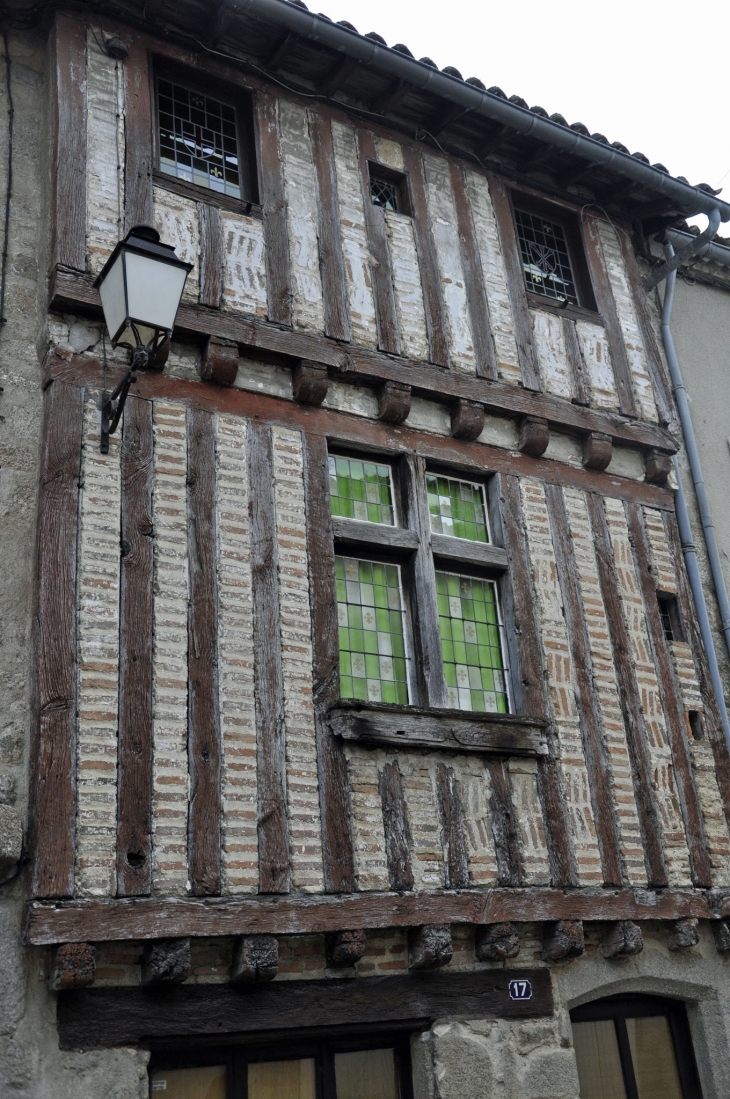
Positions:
{"x": 545, "y": 257}
{"x": 634, "y": 1047}
{"x": 696, "y": 724}
{"x": 334, "y": 1069}
{"x": 671, "y": 620}
{"x": 389, "y": 189}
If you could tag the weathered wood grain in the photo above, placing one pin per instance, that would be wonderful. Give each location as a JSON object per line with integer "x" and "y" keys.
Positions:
{"x": 299, "y": 914}
{"x": 526, "y": 652}
{"x": 94, "y": 1018}
{"x": 426, "y": 249}
{"x": 713, "y": 719}
{"x": 484, "y": 349}
{"x": 359, "y": 532}
{"x": 504, "y": 825}
{"x": 671, "y": 701}
{"x": 54, "y": 702}
{"x": 409, "y": 727}
{"x": 331, "y": 260}
{"x": 69, "y": 153}
{"x": 607, "y": 308}
{"x": 459, "y": 549}
{"x": 382, "y": 275}
{"x": 515, "y": 283}
{"x": 592, "y": 732}
{"x": 73, "y": 292}
{"x": 657, "y": 371}
{"x": 204, "y": 859}
{"x": 273, "y": 200}
{"x": 629, "y": 697}
{"x": 138, "y": 136}
{"x": 453, "y": 840}
{"x": 134, "y": 771}
{"x": 581, "y": 394}
{"x": 395, "y": 826}
{"x": 337, "y": 854}
{"x": 273, "y": 830}
{"x": 359, "y": 432}
{"x": 211, "y": 255}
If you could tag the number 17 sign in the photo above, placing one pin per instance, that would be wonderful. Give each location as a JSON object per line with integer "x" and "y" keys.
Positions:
{"x": 520, "y": 990}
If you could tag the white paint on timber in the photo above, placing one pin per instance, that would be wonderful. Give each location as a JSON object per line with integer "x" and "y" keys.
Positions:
{"x": 597, "y": 358}
{"x": 442, "y": 217}
{"x": 264, "y": 378}
{"x": 407, "y": 286}
{"x": 676, "y": 855}
{"x": 176, "y": 220}
{"x": 354, "y": 237}
{"x": 350, "y": 398}
{"x": 305, "y": 842}
{"x": 170, "y": 651}
{"x": 561, "y": 683}
{"x": 474, "y": 794}
{"x": 429, "y": 416}
{"x": 236, "y": 659}
{"x": 660, "y": 553}
{"x": 302, "y": 216}
{"x": 552, "y": 357}
{"x": 564, "y": 448}
{"x": 389, "y": 153}
{"x": 606, "y": 688}
{"x": 628, "y": 320}
{"x": 366, "y": 817}
{"x": 626, "y": 462}
{"x": 104, "y": 151}
{"x": 244, "y": 265}
{"x": 527, "y": 808}
{"x": 98, "y": 661}
{"x": 495, "y": 277}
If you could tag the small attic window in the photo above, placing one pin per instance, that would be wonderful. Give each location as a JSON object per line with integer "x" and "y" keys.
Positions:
{"x": 671, "y": 620}
{"x": 545, "y": 257}
{"x": 389, "y": 189}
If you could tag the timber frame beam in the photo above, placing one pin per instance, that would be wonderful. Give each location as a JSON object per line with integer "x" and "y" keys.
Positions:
{"x": 71, "y": 291}
{"x": 152, "y": 918}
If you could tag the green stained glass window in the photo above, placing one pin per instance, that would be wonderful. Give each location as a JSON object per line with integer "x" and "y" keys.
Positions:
{"x": 457, "y": 508}
{"x": 471, "y": 643}
{"x": 373, "y": 660}
{"x": 361, "y": 490}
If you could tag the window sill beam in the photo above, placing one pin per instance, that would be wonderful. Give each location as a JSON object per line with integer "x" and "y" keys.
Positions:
{"x": 356, "y": 532}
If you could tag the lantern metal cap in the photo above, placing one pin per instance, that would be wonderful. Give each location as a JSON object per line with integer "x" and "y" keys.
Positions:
{"x": 145, "y": 241}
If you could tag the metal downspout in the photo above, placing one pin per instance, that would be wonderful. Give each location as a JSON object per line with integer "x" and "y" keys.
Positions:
{"x": 683, "y": 520}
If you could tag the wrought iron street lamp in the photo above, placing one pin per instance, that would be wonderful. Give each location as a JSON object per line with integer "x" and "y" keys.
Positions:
{"x": 140, "y": 289}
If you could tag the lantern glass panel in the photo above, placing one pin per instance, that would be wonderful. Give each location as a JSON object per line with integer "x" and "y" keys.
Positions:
{"x": 113, "y": 298}
{"x": 154, "y": 290}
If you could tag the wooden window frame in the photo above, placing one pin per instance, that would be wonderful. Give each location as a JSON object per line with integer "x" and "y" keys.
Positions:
{"x": 162, "y": 68}
{"x": 419, "y": 552}
{"x": 586, "y": 307}
{"x": 399, "y": 180}
{"x": 322, "y": 1048}
{"x": 634, "y": 1006}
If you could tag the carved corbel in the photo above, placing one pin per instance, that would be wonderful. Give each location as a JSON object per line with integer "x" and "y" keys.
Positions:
{"x": 166, "y": 962}
{"x": 497, "y": 941}
{"x": 220, "y": 361}
{"x": 562, "y": 940}
{"x": 657, "y": 467}
{"x": 683, "y": 934}
{"x": 394, "y": 402}
{"x": 623, "y": 940}
{"x": 467, "y": 420}
{"x": 430, "y": 946}
{"x": 255, "y": 959}
{"x": 309, "y": 382}
{"x": 534, "y": 436}
{"x": 597, "y": 451}
{"x": 345, "y": 948}
{"x": 721, "y": 931}
{"x": 73, "y": 966}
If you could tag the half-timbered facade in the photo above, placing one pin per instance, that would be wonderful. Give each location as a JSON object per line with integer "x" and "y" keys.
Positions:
{"x": 371, "y": 734}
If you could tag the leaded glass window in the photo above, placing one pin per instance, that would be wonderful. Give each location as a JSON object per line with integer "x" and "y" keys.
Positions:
{"x": 361, "y": 490}
{"x": 373, "y": 658}
{"x": 384, "y": 193}
{"x": 457, "y": 508}
{"x": 471, "y": 643}
{"x": 545, "y": 257}
{"x": 198, "y": 140}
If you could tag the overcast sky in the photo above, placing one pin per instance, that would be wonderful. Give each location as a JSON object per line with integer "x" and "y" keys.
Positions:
{"x": 651, "y": 75}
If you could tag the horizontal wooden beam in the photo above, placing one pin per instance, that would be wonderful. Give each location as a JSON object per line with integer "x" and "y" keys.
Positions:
{"x": 473, "y": 553}
{"x": 408, "y": 727}
{"x": 73, "y": 291}
{"x": 85, "y": 370}
{"x": 196, "y": 917}
{"x": 103, "y": 1017}
{"x": 374, "y": 534}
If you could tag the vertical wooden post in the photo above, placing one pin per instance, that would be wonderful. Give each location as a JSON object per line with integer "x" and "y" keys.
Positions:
{"x": 138, "y": 138}
{"x": 395, "y": 826}
{"x": 427, "y": 261}
{"x": 134, "y": 856}
{"x": 53, "y": 787}
{"x": 476, "y": 297}
{"x": 69, "y": 155}
{"x": 453, "y": 840}
{"x": 382, "y": 275}
{"x": 659, "y": 379}
{"x": 273, "y": 200}
{"x": 331, "y": 260}
{"x": 211, "y": 255}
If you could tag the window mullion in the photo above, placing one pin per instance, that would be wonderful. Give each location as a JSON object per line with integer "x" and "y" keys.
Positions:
{"x": 422, "y": 596}
{"x": 627, "y": 1063}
